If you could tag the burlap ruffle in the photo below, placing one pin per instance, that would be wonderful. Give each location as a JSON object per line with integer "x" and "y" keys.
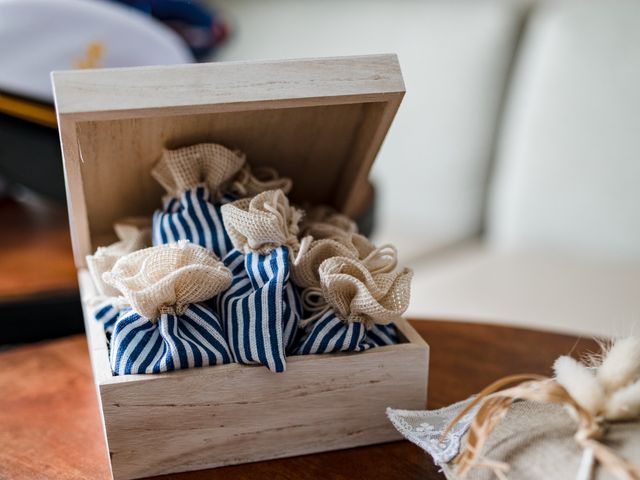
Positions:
{"x": 305, "y": 268}
{"x": 304, "y": 271}
{"x": 221, "y": 170}
{"x": 324, "y": 222}
{"x": 262, "y": 223}
{"x": 133, "y": 234}
{"x": 168, "y": 278}
{"x": 370, "y": 295}
{"x": 208, "y": 164}
{"x": 252, "y": 181}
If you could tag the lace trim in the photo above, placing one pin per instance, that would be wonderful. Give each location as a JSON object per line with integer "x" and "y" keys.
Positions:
{"x": 424, "y": 427}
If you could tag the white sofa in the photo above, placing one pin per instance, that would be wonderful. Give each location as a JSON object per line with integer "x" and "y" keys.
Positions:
{"x": 510, "y": 180}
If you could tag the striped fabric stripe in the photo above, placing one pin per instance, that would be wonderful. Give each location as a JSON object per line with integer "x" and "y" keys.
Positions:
{"x": 193, "y": 339}
{"x": 381, "y": 335}
{"x": 106, "y": 314}
{"x": 330, "y": 334}
{"x": 192, "y": 217}
{"x": 260, "y": 310}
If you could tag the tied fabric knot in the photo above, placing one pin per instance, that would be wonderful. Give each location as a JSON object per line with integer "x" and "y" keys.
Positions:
{"x": 168, "y": 278}
{"x": 205, "y": 164}
{"x": 177, "y": 309}
{"x": 262, "y": 223}
{"x": 314, "y": 303}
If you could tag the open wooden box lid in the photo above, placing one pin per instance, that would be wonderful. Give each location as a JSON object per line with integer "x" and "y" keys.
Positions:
{"x": 319, "y": 121}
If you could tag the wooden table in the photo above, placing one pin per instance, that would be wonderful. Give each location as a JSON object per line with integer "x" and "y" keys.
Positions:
{"x": 50, "y": 425}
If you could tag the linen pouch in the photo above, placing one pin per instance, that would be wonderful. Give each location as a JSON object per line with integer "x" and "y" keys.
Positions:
{"x": 535, "y": 440}
{"x": 167, "y": 325}
{"x": 198, "y": 179}
{"x": 261, "y": 310}
{"x": 583, "y": 423}
{"x": 133, "y": 234}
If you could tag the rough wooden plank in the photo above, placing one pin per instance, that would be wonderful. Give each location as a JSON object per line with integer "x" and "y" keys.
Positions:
{"x": 251, "y": 414}
{"x": 170, "y": 90}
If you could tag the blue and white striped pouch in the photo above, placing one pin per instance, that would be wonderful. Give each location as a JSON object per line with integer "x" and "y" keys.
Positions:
{"x": 167, "y": 325}
{"x": 261, "y": 309}
{"x": 355, "y": 304}
{"x": 194, "y": 338}
{"x": 331, "y": 334}
{"x": 194, "y": 178}
{"x": 192, "y": 216}
{"x": 198, "y": 180}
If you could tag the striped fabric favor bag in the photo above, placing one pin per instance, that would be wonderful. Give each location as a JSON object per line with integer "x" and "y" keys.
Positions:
{"x": 167, "y": 325}
{"x": 133, "y": 234}
{"x": 261, "y": 310}
{"x": 193, "y": 178}
{"x": 198, "y": 180}
{"x": 350, "y": 303}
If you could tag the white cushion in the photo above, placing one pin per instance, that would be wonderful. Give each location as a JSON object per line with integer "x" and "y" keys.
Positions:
{"x": 530, "y": 289}
{"x": 432, "y": 169}
{"x": 568, "y": 172}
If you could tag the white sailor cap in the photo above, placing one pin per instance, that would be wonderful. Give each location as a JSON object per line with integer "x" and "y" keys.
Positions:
{"x": 39, "y": 36}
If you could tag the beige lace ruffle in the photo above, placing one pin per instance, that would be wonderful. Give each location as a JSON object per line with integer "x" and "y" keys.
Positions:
{"x": 133, "y": 234}
{"x": 262, "y": 223}
{"x": 168, "y": 278}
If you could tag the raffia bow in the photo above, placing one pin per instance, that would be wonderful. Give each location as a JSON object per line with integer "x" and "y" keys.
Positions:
{"x": 606, "y": 391}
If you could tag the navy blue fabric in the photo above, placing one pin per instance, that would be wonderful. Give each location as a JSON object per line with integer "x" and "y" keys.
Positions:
{"x": 193, "y": 339}
{"x": 330, "y": 334}
{"x": 261, "y": 309}
{"x": 192, "y": 217}
{"x": 106, "y": 314}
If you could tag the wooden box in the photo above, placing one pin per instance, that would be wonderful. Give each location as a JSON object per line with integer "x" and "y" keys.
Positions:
{"x": 320, "y": 122}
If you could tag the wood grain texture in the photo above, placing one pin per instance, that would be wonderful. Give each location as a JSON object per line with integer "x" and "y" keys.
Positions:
{"x": 180, "y": 89}
{"x": 207, "y": 417}
{"x": 50, "y": 421}
{"x": 320, "y": 122}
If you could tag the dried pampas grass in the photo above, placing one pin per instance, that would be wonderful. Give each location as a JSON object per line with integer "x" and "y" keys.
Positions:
{"x": 610, "y": 386}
